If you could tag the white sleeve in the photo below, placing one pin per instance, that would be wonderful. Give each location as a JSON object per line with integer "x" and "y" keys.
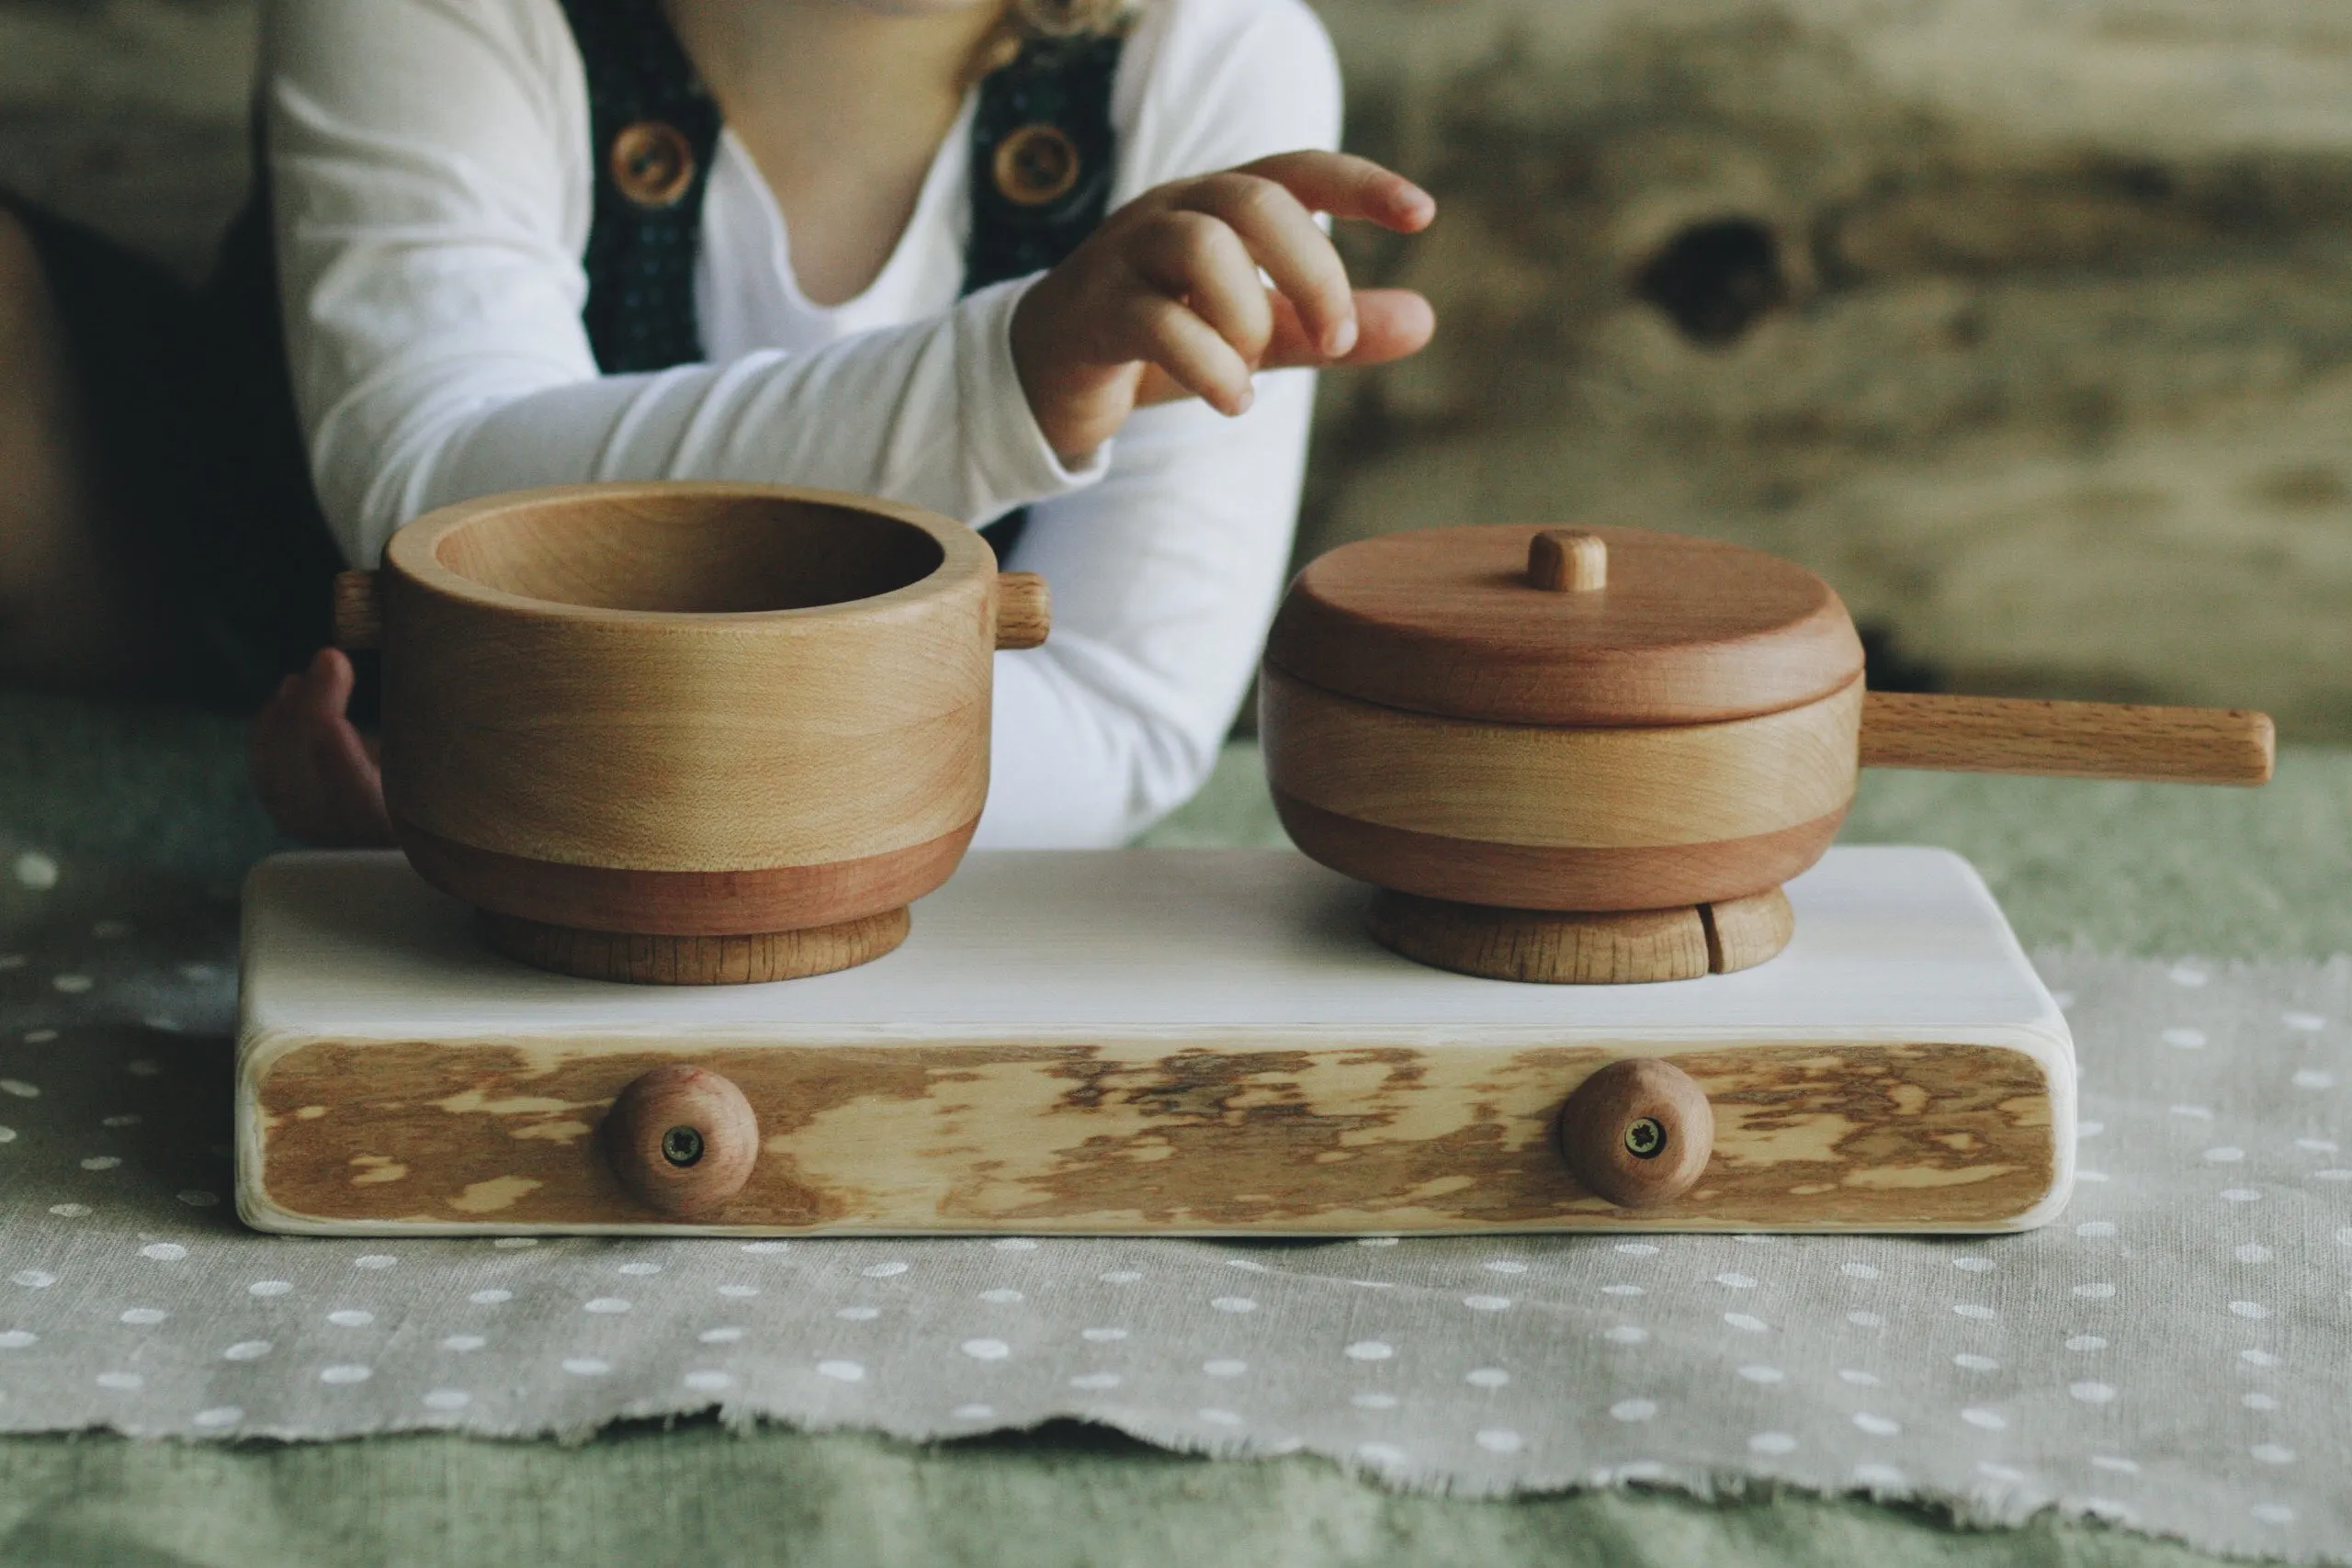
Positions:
{"x": 1165, "y": 574}
{"x": 432, "y": 193}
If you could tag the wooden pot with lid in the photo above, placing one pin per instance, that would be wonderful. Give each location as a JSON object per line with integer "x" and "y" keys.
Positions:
{"x": 1596, "y": 754}
{"x": 687, "y": 733}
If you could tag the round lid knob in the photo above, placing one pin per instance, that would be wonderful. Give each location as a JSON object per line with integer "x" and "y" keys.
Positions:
{"x": 681, "y": 1139}
{"x": 1590, "y": 627}
{"x": 1637, "y": 1132}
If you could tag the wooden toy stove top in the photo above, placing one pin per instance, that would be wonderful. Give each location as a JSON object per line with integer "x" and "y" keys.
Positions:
{"x": 1176, "y": 1042}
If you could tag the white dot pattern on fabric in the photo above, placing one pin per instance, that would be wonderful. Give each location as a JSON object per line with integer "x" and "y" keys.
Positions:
{"x": 2003, "y": 1372}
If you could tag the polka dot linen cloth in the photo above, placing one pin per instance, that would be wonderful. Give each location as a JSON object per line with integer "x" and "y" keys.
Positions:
{"x": 2169, "y": 1356}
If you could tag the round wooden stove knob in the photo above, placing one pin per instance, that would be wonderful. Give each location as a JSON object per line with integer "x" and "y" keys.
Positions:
{"x": 681, "y": 1139}
{"x": 1637, "y": 1132}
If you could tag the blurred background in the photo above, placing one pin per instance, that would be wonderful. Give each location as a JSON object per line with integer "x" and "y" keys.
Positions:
{"x": 2027, "y": 322}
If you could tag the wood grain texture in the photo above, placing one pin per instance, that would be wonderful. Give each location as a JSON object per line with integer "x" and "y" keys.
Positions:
{"x": 1024, "y": 610}
{"x": 2084, "y": 741}
{"x": 697, "y": 677}
{"x": 1529, "y": 876}
{"x": 684, "y": 903}
{"x": 682, "y": 1140}
{"x": 1743, "y": 933}
{"x": 1558, "y": 787}
{"x": 1633, "y": 947}
{"x": 1271, "y": 1136}
{"x": 740, "y": 959}
{"x": 1549, "y": 947}
{"x": 1568, "y": 561}
{"x": 358, "y": 611}
{"x": 1444, "y": 620}
{"x": 1638, "y": 1132}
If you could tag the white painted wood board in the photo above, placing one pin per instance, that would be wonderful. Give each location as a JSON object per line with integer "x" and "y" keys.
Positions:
{"x": 1147, "y": 955}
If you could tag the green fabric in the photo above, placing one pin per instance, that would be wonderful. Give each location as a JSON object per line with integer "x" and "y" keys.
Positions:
{"x": 2121, "y": 868}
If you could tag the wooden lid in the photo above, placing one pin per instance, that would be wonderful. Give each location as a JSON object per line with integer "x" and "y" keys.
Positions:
{"x": 1681, "y": 631}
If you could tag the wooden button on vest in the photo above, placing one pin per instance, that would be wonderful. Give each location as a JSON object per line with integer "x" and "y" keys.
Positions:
{"x": 652, "y": 163}
{"x": 1637, "y": 1132}
{"x": 1035, "y": 164}
{"x": 681, "y": 1139}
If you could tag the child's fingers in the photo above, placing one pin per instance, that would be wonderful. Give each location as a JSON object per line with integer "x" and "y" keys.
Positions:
{"x": 1192, "y": 353}
{"x": 1283, "y": 238}
{"x": 350, "y": 788}
{"x": 1200, "y": 261}
{"x": 1347, "y": 186}
{"x": 1393, "y": 321}
{"x": 326, "y": 684}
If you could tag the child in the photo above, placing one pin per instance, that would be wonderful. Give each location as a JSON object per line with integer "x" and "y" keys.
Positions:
{"x": 852, "y": 243}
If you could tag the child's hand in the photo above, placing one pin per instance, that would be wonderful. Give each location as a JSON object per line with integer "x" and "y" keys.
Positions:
{"x": 1165, "y": 298}
{"x": 318, "y": 779}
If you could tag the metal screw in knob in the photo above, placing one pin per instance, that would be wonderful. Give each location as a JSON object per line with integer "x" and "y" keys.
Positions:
{"x": 681, "y": 1147}
{"x": 1646, "y": 1139}
{"x": 681, "y": 1139}
{"x": 1637, "y": 1132}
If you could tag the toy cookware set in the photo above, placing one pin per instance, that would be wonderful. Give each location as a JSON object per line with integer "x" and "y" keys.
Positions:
{"x": 693, "y": 736}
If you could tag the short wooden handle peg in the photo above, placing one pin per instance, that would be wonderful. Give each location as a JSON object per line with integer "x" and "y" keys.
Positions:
{"x": 1638, "y": 1132}
{"x": 1024, "y": 610}
{"x": 681, "y": 1139}
{"x": 358, "y": 610}
{"x": 1568, "y": 561}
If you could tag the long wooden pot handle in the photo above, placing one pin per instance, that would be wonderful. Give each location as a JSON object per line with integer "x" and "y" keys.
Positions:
{"x": 1024, "y": 610}
{"x": 2081, "y": 740}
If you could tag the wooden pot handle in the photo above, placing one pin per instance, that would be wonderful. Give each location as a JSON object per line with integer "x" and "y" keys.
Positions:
{"x": 2081, "y": 740}
{"x": 358, "y": 611}
{"x": 1024, "y": 610}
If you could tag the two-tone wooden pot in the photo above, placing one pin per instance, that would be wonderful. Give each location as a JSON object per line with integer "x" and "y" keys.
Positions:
{"x": 1596, "y": 754}
{"x": 687, "y": 733}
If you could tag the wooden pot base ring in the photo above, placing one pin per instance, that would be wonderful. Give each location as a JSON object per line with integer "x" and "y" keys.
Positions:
{"x": 1616, "y": 947}
{"x": 646, "y": 960}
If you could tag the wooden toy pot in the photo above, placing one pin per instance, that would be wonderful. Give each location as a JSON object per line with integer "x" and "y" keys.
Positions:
{"x": 1596, "y": 754}
{"x": 687, "y": 733}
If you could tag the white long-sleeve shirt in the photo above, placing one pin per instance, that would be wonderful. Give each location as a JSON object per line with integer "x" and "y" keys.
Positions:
{"x": 433, "y": 185}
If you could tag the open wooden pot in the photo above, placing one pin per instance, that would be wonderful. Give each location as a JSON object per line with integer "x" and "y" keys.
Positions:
{"x": 687, "y": 733}
{"x": 1596, "y": 754}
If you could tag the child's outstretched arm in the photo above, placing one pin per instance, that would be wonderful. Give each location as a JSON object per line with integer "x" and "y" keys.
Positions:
{"x": 1170, "y": 284}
